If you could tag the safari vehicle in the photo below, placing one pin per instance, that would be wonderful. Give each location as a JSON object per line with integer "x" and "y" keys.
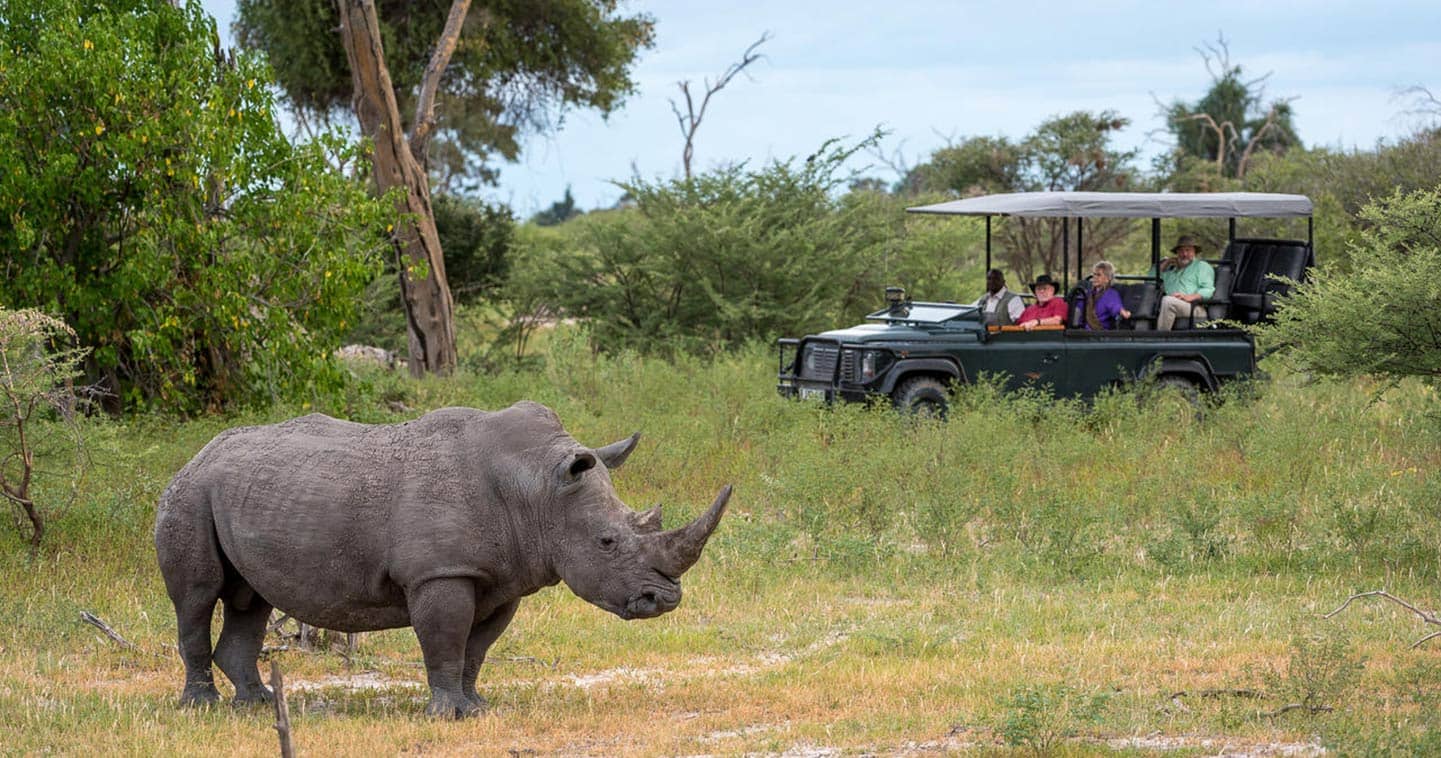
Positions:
{"x": 911, "y": 352}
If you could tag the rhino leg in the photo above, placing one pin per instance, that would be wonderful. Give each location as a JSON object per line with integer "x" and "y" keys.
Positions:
{"x": 189, "y": 558}
{"x": 238, "y": 648}
{"x": 442, "y": 612}
{"x": 482, "y": 636}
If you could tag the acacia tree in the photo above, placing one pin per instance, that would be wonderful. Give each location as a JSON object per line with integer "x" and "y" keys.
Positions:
{"x": 474, "y": 81}
{"x": 1070, "y": 152}
{"x": 1232, "y": 122}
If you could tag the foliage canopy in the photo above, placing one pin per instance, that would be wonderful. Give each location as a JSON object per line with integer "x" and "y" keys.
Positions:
{"x": 516, "y": 66}
{"x": 151, "y": 201}
{"x": 1380, "y": 317}
{"x": 733, "y": 255}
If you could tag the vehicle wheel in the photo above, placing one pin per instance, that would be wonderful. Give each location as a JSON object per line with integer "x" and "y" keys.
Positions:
{"x": 1175, "y": 386}
{"x": 922, "y": 396}
{"x": 1185, "y": 386}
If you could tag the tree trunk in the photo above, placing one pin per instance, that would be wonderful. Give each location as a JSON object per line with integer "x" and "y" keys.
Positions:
{"x": 425, "y": 293}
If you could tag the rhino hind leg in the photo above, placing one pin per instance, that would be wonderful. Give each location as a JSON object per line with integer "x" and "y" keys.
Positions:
{"x": 190, "y": 563}
{"x": 241, "y": 637}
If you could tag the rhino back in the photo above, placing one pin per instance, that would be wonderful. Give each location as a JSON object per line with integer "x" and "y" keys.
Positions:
{"x": 330, "y": 520}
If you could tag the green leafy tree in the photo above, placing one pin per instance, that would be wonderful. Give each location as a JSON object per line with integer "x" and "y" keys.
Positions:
{"x": 1218, "y": 136}
{"x": 150, "y": 199}
{"x": 559, "y": 211}
{"x": 477, "y": 237}
{"x": 1380, "y": 317}
{"x": 516, "y": 66}
{"x": 1072, "y": 152}
{"x": 506, "y": 64}
{"x": 736, "y": 254}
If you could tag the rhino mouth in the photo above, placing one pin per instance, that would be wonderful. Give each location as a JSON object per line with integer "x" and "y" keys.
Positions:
{"x": 654, "y": 599}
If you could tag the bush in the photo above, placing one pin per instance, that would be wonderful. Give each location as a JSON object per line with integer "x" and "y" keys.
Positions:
{"x": 150, "y": 200}
{"x": 738, "y": 254}
{"x": 38, "y": 364}
{"x": 1380, "y": 318}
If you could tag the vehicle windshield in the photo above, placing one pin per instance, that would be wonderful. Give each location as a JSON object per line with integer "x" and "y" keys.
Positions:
{"x": 928, "y": 313}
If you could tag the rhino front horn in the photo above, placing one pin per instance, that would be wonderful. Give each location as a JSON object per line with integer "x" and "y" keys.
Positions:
{"x": 681, "y": 548}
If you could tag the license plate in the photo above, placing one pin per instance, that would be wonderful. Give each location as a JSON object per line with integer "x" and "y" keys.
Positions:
{"x": 812, "y": 394}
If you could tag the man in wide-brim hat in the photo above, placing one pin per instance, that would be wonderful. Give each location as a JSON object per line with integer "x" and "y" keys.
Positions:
{"x": 1187, "y": 281}
{"x": 1048, "y": 309}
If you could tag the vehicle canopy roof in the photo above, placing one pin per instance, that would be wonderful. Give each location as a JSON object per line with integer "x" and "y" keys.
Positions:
{"x": 1127, "y": 205}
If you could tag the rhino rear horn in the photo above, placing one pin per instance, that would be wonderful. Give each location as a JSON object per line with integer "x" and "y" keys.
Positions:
{"x": 649, "y": 521}
{"x": 614, "y": 454}
{"x": 681, "y": 548}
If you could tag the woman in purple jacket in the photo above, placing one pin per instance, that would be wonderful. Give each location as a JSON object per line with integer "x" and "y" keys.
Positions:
{"x": 1102, "y": 308}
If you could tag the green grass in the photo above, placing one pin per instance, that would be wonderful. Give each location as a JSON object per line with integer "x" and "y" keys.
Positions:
{"x": 1032, "y": 576}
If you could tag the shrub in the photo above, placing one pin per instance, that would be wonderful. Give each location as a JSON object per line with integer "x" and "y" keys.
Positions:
{"x": 150, "y": 199}
{"x": 740, "y": 254}
{"x": 38, "y": 363}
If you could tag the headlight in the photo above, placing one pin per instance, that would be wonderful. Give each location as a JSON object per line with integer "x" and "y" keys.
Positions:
{"x": 869, "y": 360}
{"x": 808, "y": 361}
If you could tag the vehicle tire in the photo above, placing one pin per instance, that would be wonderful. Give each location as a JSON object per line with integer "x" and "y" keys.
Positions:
{"x": 1185, "y": 386}
{"x": 1176, "y": 385}
{"x": 922, "y": 396}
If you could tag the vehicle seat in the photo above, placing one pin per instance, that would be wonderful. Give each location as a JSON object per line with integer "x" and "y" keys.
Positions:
{"x": 1218, "y": 305}
{"x": 1256, "y": 262}
{"x": 1141, "y": 299}
{"x": 1076, "y": 307}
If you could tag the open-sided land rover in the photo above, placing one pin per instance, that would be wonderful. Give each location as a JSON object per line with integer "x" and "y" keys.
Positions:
{"x": 910, "y": 352}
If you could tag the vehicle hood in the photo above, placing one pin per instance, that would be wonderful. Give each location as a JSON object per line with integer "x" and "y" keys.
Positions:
{"x": 864, "y": 334}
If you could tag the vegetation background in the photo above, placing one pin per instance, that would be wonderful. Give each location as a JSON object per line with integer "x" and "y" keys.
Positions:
{"x": 1036, "y": 574}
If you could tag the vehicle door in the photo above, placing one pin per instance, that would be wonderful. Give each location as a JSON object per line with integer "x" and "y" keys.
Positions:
{"x": 1097, "y": 360}
{"x": 1027, "y": 359}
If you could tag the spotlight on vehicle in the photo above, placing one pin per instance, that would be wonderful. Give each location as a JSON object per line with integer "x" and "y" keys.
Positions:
{"x": 895, "y": 296}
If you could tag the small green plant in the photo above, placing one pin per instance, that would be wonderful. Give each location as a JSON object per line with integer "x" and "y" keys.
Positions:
{"x": 38, "y": 365}
{"x": 1320, "y": 674}
{"x": 1040, "y": 716}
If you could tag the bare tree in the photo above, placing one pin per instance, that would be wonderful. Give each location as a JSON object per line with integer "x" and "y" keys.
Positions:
{"x": 400, "y": 163}
{"x": 690, "y": 121}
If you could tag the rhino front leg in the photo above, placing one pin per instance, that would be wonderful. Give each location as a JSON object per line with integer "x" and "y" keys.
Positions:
{"x": 482, "y": 636}
{"x": 442, "y": 612}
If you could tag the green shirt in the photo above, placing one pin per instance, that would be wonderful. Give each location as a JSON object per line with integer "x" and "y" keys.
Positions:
{"x": 1196, "y": 279}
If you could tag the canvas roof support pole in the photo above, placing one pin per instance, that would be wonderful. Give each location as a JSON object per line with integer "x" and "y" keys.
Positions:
{"x": 1080, "y": 247}
{"x": 1310, "y": 232}
{"x": 1156, "y": 247}
{"x": 988, "y": 245}
{"x": 1231, "y": 229}
{"x": 1065, "y": 255}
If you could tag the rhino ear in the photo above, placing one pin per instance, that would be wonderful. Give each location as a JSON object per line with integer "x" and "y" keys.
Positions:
{"x": 581, "y": 463}
{"x": 614, "y": 454}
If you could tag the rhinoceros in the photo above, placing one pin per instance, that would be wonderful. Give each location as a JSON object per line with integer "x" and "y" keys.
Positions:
{"x": 442, "y": 524}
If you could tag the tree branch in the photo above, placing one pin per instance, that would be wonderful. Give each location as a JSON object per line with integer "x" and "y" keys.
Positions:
{"x": 690, "y": 122}
{"x": 425, "y": 105}
{"x": 1429, "y": 617}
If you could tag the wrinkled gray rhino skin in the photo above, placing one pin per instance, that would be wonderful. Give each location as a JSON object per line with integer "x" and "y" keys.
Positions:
{"x": 442, "y": 524}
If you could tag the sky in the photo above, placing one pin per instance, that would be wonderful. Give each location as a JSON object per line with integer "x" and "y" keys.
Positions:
{"x": 933, "y": 73}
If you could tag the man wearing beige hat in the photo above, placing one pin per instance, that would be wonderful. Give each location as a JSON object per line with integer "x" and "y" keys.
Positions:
{"x": 1186, "y": 281}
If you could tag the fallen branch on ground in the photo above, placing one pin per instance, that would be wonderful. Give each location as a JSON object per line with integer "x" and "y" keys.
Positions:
{"x": 1429, "y": 617}
{"x": 95, "y": 621}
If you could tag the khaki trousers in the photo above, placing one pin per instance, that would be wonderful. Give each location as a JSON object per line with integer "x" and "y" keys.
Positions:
{"x": 1173, "y": 308}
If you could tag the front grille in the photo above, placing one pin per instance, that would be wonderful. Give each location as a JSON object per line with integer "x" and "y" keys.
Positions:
{"x": 849, "y": 372}
{"x": 819, "y": 362}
